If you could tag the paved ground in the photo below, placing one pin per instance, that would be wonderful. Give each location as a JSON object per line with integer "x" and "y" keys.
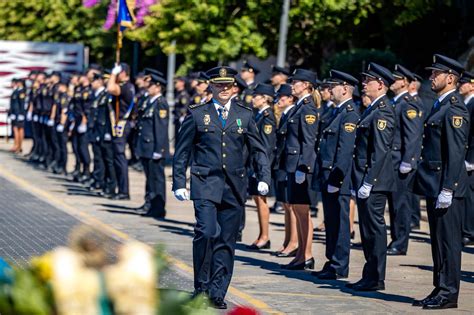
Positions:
{"x": 258, "y": 280}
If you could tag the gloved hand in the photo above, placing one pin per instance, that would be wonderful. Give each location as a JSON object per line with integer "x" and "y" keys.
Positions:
{"x": 181, "y": 194}
{"x": 157, "y": 156}
{"x": 29, "y": 116}
{"x": 300, "y": 177}
{"x": 445, "y": 199}
{"x": 82, "y": 128}
{"x": 35, "y": 118}
{"x": 469, "y": 166}
{"x": 12, "y": 117}
{"x": 332, "y": 189}
{"x": 262, "y": 188}
{"x": 117, "y": 69}
{"x": 405, "y": 168}
{"x": 107, "y": 137}
{"x": 21, "y": 117}
{"x": 60, "y": 128}
{"x": 364, "y": 191}
{"x": 50, "y": 123}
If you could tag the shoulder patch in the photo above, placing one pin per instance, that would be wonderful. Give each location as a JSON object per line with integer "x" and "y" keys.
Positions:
{"x": 349, "y": 127}
{"x": 197, "y": 99}
{"x": 310, "y": 119}
{"x": 411, "y": 113}
{"x": 457, "y": 121}
{"x": 248, "y": 98}
{"x": 381, "y": 124}
{"x": 184, "y": 101}
{"x": 163, "y": 113}
{"x": 267, "y": 129}
{"x": 454, "y": 100}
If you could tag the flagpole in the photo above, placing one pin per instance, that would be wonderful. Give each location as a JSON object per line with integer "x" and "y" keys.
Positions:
{"x": 117, "y": 61}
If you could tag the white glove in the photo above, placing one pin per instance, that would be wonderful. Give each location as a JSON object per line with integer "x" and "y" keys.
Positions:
{"x": 469, "y": 166}
{"x": 12, "y": 117}
{"x": 157, "y": 156}
{"x": 300, "y": 177}
{"x": 445, "y": 199}
{"x": 35, "y": 118}
{"x": 60, "y": 128}
{"x": 107, "y": 137}
{"x": 405, "y": 168}
{"x": 117, "y": 69}
{"x": 21, "y": 117}
{"x": 332, "y": 189}
{"x": 364, "y": 191}
{"x": 82, "y": 128}
{"x": 262, "y": 188}
{"x": 181, "y": 194}
{"x": 50, "y": 122}
{"x": 29, "y": 116}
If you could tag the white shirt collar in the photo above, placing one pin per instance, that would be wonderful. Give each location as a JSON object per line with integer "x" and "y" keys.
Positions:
{"x": 397, "y": 97}
{"x": 442, "y": 97}
{"x": 302, "y": 98}
{"x": 375, "y": 101}
{"x": 343, "y": 102}
{"x": 261, "y": 111}
{"x": 154, "y": 98}
{"x": 468, "y": 99}
{"x": 288, "y": 109}
{"x": 414, "y": 93}
{"x": 217, "y": 105}
{"x": 99, "y": 90}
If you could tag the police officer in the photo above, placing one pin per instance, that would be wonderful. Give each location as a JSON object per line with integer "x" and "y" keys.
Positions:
{"x": 83, "y": 138}
{"x": 372, "y": 175}
{"x": 266, "y": 126}
{"x": 153, "y": 147}
{"x": 248, "y": 73}
{"x": 238, "y": 88}
{"x": 279, "y": 77}
{"x": 181, "y": 103}
{"x": 213, "y": 136}
{"x": 120, "y": 87}
{"x": 405, "y": 154}
{"x": 17, "y": 113}
{"x": 332, "y": 173}
{"x": 61, "y": 126}
{"x": 202, "y": 83}
{"x": 34, "y": 112}
{"x": 466, "y": 89}
{"x": 442, "y": 178}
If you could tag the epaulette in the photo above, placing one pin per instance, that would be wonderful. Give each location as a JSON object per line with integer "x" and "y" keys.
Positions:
{"x": 266, "y": 113}
{"x": 194, "y": 106}
{"x": 243, "y": 106}
{"x": 306, "y": 100}
{"x": 349, "y": 108}
{"x": 454, "y": 100}
{"x": 407, "y": 98}
{"x": 382, "y": 104}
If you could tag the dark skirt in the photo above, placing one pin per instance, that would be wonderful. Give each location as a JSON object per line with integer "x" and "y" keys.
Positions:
{"x": 301, "y": 194}
{"x": 19, "y": 124}
{"x": 281, "y": 186}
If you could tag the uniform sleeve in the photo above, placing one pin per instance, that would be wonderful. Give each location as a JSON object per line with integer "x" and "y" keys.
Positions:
{"x": 470, "y": 149}
{"x": 411, "y": 124}
{"x": 258, "y": 151}
{"x": 182, "y": 152}
{"x": 456, "y": 126}
{"x": 309, "y": 124}
{"x": 160, "y": 129}
{"x": 268, "y": 135}
{"x": 345, "y": 147}
{"x": 382, "y": 129}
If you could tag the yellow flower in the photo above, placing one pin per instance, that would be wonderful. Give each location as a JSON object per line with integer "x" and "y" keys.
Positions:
{"x": 43, "y": 266}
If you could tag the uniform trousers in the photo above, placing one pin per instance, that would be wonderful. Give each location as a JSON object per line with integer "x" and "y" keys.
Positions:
{"x": 43, "y": 145}
{"x": 120, "y": 161}
{"x": 34, "y": 135}
{"x": 83, "y": 141}
{"x": 75, "y": 150}
{"x": 338, "y": 232}
{"x": 446, "y": 247}
{"x": 98, "y": 173}
{"x": 52, "y": 144}
{"x": 400, "y": 206}
{"x": 215, "y": 234}
{"x": 468, "y": 218}
{"x": 61, "y": 157}
{"x": 416, "y": 211}
{"x": 373, "y": 233}
{"x": 155, "y": 185}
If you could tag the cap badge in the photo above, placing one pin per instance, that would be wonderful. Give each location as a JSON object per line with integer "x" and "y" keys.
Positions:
{"x": 223, "y": 72}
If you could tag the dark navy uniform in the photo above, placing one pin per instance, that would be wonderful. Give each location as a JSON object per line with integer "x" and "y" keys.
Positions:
{"x": 332, "y": 167}
{"x": 406, "y": 149}
{"x": 62, "y": 103}
{"x": 153, "y": 148}
{"x": 17, "y": 110}
{"x": 216, "y": 150}
{"x": 181, "y": 103}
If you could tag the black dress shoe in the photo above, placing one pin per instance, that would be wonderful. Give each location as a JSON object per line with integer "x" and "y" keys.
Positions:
{"x": 155, "y": 214}
{"x": 329, "y": 275}
{"x": 393, "y": 251}
{"x": 421, "y": 302}
{"x": 353, "y": 235}
{"x": 370, "y": 286}
{"x": 121, "y": 197}
{"x": 439, "y": 303}
{"x": 466, "y": 241}
{"x": 308, "y": 264}
{"x": 257, "y": 247}
{"x": 239, "y": 237}
{"x": 290, "y": 254}
{"x": 415, "y": 226}
{"x": 353, "y": 284}
{"x": 218, "y": 303}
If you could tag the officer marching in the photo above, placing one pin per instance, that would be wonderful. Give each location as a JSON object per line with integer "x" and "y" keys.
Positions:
{"x": 212, "y": 140}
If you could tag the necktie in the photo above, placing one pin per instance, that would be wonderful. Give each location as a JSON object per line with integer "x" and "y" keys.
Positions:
{"x": 436, "y": 104}
{"x": 257, "y": 117}
{"x": 222, "y": 115}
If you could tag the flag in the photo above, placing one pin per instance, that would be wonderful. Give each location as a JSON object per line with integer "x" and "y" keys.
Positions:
{"x": 125, "y": 16}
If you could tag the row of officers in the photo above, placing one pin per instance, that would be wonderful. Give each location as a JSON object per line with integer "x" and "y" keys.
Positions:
{"x": 390, "y": 152}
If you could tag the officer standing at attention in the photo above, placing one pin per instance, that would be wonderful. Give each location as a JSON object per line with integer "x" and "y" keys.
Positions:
{"x": 248, "y": 73}
{"x": 332, "y": 174}
{"x": 16, "y": 113}
{"x": 372, "y": 175}
{"x": 442, "y": 178}
{"x": 202, "y": 83}
{"x": 213, "y": 136}
{"x": 466, "y": 89}
{"x": 120, "y": 87}
{"x": 406, "y": 153}
{"x": 153, "y": 146}
{"x": 181, "y": 103}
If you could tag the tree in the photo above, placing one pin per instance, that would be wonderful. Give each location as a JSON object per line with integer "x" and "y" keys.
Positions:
{"x": 57, "y": 21}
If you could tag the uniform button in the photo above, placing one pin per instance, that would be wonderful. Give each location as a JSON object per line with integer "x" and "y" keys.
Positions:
{"x": 199, "y": 173}
{"x": 424, "y": 136}
{"x": 223, "y": 144}
{"x": 455, "y": 184}
{"x": 375, "y": 180}
{"x": 412, "y": 159}
{"x": 223, "y": 132}
{"x": 330, "y": 167}
{"x": 139, "y": 133}
{"x": 425, "y": 125}
{"x": 438, "y": 168}
{"x": 366, "y": 165}
{"x": 353, "y": 155}
{"x": 340, "y": 183}
{"x": 223, "y": 155}
{"x": 422, "y": 147}
{"x": 294, "y": 151}
{"x": 309, "y": 168}
{"x": 223, "y": 166}
{"x": 206, "y": 130}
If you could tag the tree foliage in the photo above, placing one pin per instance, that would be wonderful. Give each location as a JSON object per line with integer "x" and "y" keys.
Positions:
{"x": 57, "y": 21}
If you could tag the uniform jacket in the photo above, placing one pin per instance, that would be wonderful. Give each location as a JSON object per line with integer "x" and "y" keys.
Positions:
{"x": 372, "y": 156}
{"x": 444, "y": 149}
{"x": 336, "y": 145}
{"x": 216, "y": 153}
{"x": 100, "y": 117}
{"x": 61, "y": 102}
{"x": 470, "y": 149}
{"x": 302, "y": 131}
{"x": 408, "y": 135}
{"x": 279, "y": 152}
{"x": 152, "y": 134}
{"x": 266, "y": 126}
{"x": 182, "y": 101}
{"x": 17, "y": 103}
